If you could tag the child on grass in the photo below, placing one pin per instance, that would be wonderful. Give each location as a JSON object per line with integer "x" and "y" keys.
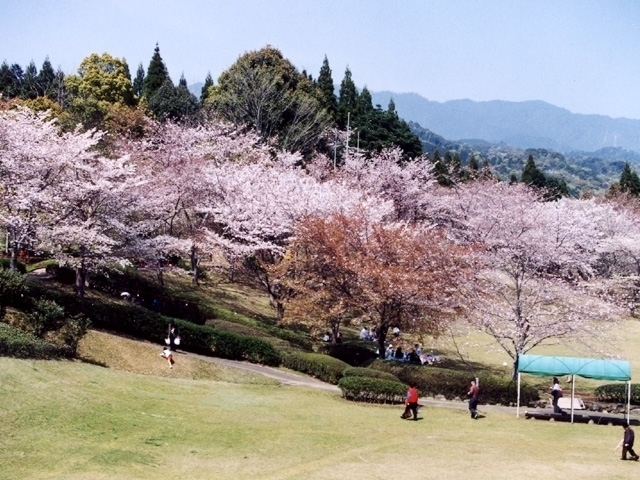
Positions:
{"x": 168, "y": 354}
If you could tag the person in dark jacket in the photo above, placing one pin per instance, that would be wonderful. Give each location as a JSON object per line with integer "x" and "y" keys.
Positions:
{"x": 473, "y": 393}
{"x": 173, "y": 336}
{"x": 627, "y": 443}
{"x": 556, "y": 394}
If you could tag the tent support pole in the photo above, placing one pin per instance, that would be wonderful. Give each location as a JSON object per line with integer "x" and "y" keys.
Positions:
{"x": 628, "y": 399}
{"x": 518, "y": 404}
{"x": 573, "y": 393}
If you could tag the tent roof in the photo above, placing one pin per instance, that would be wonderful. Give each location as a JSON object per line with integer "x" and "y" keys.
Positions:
{"x": 583, "y": 367}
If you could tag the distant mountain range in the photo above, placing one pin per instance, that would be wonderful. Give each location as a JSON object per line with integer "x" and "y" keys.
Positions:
{"x": 532, "y": 124}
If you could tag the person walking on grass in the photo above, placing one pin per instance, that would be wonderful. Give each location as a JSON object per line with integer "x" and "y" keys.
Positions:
{"x": 473, "y": 393}
{"x": 627, "y": 443}
{"x": 411, "y": 402}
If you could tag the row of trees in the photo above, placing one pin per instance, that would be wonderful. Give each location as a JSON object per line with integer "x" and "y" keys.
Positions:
{"x": 377, "y": 240}
{"x": 261, "y": 92}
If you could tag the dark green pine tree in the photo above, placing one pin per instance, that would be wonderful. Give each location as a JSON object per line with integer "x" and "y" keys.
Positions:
{"x": 11, "y": 80}
{"x": 30, "y": 82}
{"x": 348, "y": 100}
{"x": 365, "y": 103}
{"x": 45, "y": 80}
{"x": 129, "y": 98}
{"x": 5, "y": 79}
{"x": 458, "y": 174}
{"x": 485, "y": 171}
{"x": 204, "y": 93}
{"x": 629, "y": 181}
{"x": 326, "y": 91}
{"x": 58, "y": 89}
{"x": 174, "y": 103}
{"x": 441, "y": 169}
{"x": 157, "y": 75}
{"x": 392, "y": 107}
{"x": 138, "y": 82}
{"x": 532, "y": 176}
{"x": 556, "y": 189}
{"x": 473, "y": 163}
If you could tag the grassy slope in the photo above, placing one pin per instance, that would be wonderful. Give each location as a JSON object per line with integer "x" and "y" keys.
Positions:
{"x": 69, "y": 420}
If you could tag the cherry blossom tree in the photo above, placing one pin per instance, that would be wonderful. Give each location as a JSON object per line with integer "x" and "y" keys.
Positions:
{"x": 386, "y": 274}
{"x": 255, "y": 207}
{"x": 33, "y": 156}
{"x": 173, "y": 160}
{"x": 532, "y": 256}
{"x": 87, "y": 225}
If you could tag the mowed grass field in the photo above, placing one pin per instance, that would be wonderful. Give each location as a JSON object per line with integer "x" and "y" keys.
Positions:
{"x": 140, "y": 420}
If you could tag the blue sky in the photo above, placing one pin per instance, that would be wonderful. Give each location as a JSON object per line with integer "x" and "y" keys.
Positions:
{"x": 583, "y": 55}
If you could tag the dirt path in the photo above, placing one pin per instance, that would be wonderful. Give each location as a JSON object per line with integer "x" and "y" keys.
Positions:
{"x": 299, "y": 380}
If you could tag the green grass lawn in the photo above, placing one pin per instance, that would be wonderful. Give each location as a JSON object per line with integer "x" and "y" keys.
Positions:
{"x": 72, "y": 420}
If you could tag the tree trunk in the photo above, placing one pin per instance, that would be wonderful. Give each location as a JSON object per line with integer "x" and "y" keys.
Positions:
{"x": 382, "y": 337}
{"x": 194, "y": 264}
{"x": 80, "y": 278}
{"x": 13, "y": 265}
{"x": 514, "y": 373}
{"x": 159, "y": 272}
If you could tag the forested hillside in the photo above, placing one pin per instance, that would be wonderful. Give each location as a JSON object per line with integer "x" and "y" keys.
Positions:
{"x": 532, "y": 124}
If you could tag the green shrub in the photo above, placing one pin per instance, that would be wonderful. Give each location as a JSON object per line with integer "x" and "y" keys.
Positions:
{"x": 141, "y": 323}
{"x": 453, "y": 384}
{"x": 12, "y": 286}
{"x": 617, "y": 393}
{"x": 372, "y": 390}
{"x": 5, "y": 264}
{"x": 73, "y": 330}
{"x": 369, "y": 372}
{"x": 322, "y": 367}
{"x": 353, "y": 354}
{"x": 45, "y": 315}
{"x": 18, "y": 344}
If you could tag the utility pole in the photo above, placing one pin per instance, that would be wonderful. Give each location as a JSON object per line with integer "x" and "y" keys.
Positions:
{"x": 348, "y": 119}
{"x": 335, "y": 147}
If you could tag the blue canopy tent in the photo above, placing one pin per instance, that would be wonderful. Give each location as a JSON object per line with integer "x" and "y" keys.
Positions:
{"x": 616, "y": 370}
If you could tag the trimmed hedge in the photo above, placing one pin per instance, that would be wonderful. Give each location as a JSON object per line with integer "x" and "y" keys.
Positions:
{"x": 453, "y": 384}
{"x": 617, "y": 393}
{"x": 369, "y": 372}
{"x": 144, "y": 324}
{"x": 372, "y": 390}
{"x": 5, "y": 264}
{"x": 351, "y": 353}
{"x": 322, "y": 367}
{"x": 18, "y": 344}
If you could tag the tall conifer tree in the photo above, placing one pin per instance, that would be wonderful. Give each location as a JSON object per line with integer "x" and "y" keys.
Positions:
{"x": 348, "y": 101}
{"x": 157, "y": 74}
{"x": 138, "y": 82}
{"x": 326, "y": 88}
{"x": 30, "y": 82}
{"x": 46, "y": 77}
{"x": 204, "y": 93}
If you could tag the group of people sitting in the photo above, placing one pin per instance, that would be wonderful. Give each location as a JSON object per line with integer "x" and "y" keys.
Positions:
{"x": 368, "y": 334}
{"x": 413, "y": 355}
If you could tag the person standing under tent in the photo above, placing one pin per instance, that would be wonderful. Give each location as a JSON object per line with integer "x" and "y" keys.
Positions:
{"x": 556, "y": 394}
